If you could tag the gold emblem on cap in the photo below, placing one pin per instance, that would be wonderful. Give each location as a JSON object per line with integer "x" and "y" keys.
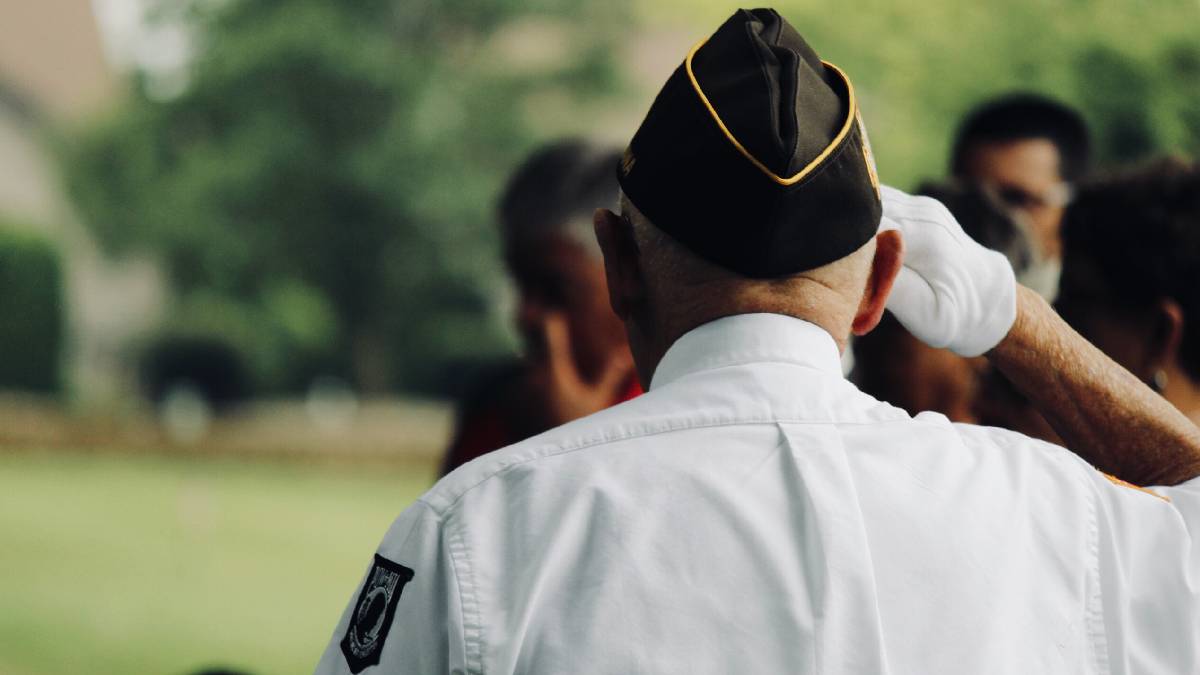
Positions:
{"x": 792, "y": 180}
{"x": 868, "y": 156}
{"x": 627, "y": 160}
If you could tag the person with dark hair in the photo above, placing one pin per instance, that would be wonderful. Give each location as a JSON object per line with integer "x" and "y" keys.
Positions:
{"x": 1029, "y": 151}
{"x": 754, "y": 512}
{"x": 894, "y": 366}
{"x": 1131, "y": 275}
{"x": 576, "y": 360}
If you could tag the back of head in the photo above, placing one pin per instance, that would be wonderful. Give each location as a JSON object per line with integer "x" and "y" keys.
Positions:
{"x": 1022, "y": 117}
{"x": 555, "y": 191}
{"x": 1138, "y": 232}
{"x": 751, "y": 178}
{"x": 681, "y": 282}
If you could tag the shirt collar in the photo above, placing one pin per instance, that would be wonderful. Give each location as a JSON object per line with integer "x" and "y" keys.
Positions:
{"x": 749, "y": 338}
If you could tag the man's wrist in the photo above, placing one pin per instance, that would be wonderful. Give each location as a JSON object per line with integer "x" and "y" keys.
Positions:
{"x": 1031, "y": 312}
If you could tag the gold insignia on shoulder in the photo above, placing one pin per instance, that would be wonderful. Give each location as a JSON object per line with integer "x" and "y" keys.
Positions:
{"x": 1117, "y": 481}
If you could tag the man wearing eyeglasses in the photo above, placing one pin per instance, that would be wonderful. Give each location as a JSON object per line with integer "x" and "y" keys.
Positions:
{"x": 1026, "y": 151}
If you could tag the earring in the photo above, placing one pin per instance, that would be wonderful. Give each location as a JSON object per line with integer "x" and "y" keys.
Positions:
{"x": 1159, "y": 381}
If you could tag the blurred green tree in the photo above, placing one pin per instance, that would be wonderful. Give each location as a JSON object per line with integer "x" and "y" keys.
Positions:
{"x": 346, "y": 154}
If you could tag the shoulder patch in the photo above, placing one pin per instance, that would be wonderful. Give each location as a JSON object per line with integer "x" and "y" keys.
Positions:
{"x": 373, "y": 613}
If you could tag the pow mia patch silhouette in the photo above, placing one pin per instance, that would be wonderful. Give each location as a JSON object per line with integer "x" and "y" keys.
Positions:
{"x": 373, "y": 613}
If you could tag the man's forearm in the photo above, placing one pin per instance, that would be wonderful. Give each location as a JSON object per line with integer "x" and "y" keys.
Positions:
{"x": 1103, "y": 413}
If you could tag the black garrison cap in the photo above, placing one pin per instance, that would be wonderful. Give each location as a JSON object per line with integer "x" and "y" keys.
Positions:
{"x": 753, "y": 154}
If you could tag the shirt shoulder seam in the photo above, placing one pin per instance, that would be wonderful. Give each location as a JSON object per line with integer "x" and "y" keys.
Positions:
{"x": 591, "y": 443}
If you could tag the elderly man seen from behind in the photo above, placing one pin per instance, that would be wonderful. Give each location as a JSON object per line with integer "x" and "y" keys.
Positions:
{"x": 753, "y": 512}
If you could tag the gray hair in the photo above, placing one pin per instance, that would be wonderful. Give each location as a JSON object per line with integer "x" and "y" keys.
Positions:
{"x": 555, "y": 192}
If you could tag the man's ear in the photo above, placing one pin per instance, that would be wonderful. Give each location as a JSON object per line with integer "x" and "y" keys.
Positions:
{"x": 889, "y": 257}
{"x": 1168, "y": 334}
{"x": 622, "y": 270}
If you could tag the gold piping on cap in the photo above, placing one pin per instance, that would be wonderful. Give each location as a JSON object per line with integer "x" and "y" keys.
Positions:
{"x": 850, "y": 117}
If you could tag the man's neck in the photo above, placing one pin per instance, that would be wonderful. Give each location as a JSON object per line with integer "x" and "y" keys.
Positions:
{"x": 818, "y": 305}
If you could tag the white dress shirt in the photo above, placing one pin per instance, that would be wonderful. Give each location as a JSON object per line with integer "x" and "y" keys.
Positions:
{"x": 755, "y": 513}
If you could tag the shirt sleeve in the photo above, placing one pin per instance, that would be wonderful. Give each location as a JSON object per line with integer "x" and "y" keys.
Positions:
{"x": 405, "y": 616}
{"x": 1149, "y": 562}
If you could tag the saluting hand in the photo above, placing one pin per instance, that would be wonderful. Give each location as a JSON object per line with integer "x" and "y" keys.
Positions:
{"x": 952, "y": 292}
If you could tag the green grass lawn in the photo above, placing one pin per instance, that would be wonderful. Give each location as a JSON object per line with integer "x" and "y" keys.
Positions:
{"x": 123, "y": 564}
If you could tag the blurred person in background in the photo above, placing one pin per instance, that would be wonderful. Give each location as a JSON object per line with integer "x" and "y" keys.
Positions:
{"x": 576, "y": 359}
{"x": 1028, "y": 151}
{"x": 1131, "y": 275}
{"x": 894, "y": 366}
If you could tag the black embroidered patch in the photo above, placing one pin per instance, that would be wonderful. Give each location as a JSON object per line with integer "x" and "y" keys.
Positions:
{"x": 373, "y": 613}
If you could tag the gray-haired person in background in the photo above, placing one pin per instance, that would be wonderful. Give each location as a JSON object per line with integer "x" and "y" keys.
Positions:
{"x": 576, "y": 360}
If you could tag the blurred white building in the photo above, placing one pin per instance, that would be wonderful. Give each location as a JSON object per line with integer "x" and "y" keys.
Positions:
{"x": 56, "y": 74}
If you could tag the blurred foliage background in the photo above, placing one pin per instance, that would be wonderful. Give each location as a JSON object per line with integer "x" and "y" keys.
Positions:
{"x": 317, "y": 185}
{"x": 320, "y": 189}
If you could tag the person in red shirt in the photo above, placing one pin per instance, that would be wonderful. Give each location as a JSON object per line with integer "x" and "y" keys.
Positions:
{"x": 576, "y": 360}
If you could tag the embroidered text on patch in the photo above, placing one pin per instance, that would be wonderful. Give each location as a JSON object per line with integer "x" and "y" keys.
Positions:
{"x": 373, "y": 613}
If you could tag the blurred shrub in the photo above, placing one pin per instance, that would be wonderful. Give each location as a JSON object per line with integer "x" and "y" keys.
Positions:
{"x": 349, "y": 148}
{"x": 31, "y": 313}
